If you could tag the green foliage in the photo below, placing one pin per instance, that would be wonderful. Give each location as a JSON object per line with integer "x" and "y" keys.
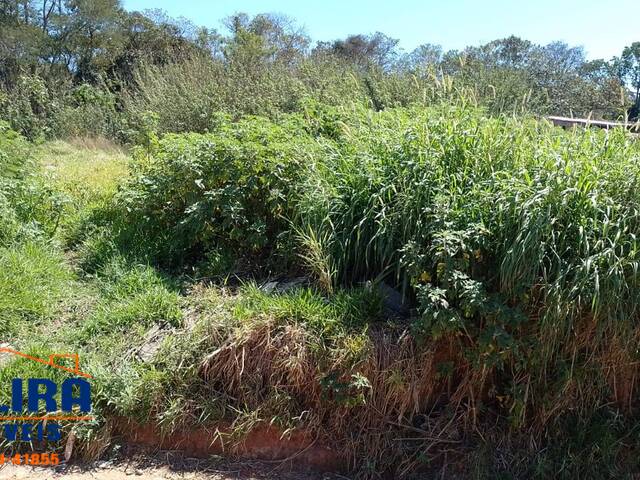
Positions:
{"x": 88, "y": 111}
{"x": 189, "y": 95}
{"x": 28, "y": 107}
{"x": 229, "y": 189}
{"x": 132, "y": 298}
{"x": 34, "y": 277}
{"x": 34, "y": 280}
{"x": 487, "y": 223}
{"x": 96, "y": 69}
{"x": 628, "y": 69}
{"x": 513, "y": 243}
{"x": 14, "y": 153}
{"x": 13, "y": 161}
{"x": 29, "y": 207}
{"x": 40, "y": 110}
{"x": 410, "y": 190}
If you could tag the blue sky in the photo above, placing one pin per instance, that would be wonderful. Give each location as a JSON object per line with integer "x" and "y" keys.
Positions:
{"x": 602, "y": 28}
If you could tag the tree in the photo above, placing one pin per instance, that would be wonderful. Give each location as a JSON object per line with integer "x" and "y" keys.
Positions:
{"x": 90, "y": 36}
{"x": 423, "y": 57}
{"x": 511, "y": 52}
{"x": 627, "y": 67}
{"x": 265, "y": 38}
{"x": 364, "y": 51}
{"x": 153, "y": 38}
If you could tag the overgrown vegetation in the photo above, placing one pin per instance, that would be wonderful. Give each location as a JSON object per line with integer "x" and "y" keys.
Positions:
{"x": 88, "y": 67}
{"x": 391, "y": 252}
{"x": 512, "y": 242}
{"x": 230, "y": 190}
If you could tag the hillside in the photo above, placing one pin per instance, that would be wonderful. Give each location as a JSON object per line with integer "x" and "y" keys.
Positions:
{"x": 418, "y": 289}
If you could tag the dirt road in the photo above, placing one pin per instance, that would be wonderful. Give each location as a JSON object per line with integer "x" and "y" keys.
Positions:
{"x": 115, "y": 473}
{"x": 146, "y": 471}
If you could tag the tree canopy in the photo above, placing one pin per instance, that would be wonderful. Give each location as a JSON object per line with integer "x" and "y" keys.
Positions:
{"x": 48, "y": 48}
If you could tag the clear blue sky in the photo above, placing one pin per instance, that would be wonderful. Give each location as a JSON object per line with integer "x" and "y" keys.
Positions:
{"x": 602, "y": 28}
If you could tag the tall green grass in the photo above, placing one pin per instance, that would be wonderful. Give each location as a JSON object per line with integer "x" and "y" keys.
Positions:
{"x": 33, "y": 284}
{"x": 510, "y": 234}
{"x": 513, "y": 242}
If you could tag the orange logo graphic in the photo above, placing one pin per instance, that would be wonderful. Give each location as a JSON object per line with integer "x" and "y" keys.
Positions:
{"x": 53, "y": 364}
{"x": 52, "y": 361}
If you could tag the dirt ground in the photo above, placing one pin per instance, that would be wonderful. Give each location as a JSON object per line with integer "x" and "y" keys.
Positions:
{"x": 155, "y": 469}
{"x": 120, "y": 473}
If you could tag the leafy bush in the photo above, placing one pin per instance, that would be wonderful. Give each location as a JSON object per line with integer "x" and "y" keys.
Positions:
{"x": 230, "y": 189}
{"x": 28, "y": 205}
{"x": 28, "y": 107}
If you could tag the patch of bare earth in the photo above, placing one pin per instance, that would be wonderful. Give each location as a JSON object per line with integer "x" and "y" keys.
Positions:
{"x": 147, "y": 468}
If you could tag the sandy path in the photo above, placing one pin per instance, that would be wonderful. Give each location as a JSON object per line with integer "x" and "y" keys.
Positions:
{"x": 130, "y": 471}
{"x": 11, "y": 472}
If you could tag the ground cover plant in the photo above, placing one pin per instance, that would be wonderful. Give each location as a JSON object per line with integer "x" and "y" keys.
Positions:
{"x": 512, "y": 243}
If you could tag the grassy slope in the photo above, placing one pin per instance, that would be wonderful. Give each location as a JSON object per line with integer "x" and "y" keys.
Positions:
{"x": 51, "y": 305}
{"x": 298, "y": 359}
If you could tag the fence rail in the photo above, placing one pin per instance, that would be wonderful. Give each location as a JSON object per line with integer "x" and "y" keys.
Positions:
{"x": 567, "y": 122}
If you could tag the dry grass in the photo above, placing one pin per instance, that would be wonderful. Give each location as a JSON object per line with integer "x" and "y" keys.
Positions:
{"x": 96, "y": 143}
{"x": 384, "y": 408}
{"x": 84, "y": 167}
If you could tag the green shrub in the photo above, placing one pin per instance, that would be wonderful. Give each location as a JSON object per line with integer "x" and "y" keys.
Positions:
{"x": 14, "y": 152}
{"x": 28, "y": 107}
{"x": 29, "y": 207}
{"x": 230, "y": 189}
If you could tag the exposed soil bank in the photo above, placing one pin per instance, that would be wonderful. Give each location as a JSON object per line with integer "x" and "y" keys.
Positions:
{"x": 293, "y": 451}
